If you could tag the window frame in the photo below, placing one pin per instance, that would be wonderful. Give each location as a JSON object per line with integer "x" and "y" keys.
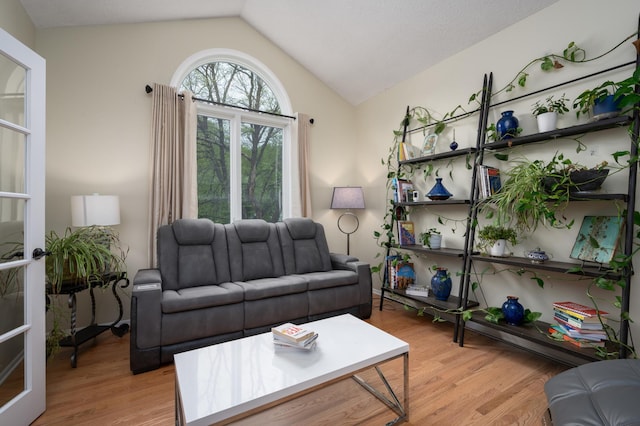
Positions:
{"x": 237, "y": 116}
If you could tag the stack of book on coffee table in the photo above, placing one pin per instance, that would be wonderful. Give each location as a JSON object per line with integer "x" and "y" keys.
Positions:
{"x": 289, "y": 336}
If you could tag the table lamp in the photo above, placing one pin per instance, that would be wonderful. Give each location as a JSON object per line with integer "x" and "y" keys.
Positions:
{"x": 348, "y": 197}
{"x": 100, "y": 210}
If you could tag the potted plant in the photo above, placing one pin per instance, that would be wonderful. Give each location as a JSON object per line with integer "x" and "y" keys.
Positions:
{"x": 547, "y": 111}
{"x": 431, "y": 238}
{"x": 609, "y": 98}
{"x": 495, "y": 237}
{"x": 79, "y": 257}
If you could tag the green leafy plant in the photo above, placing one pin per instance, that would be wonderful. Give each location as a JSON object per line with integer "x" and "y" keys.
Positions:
{"x": 79, "y": 257}
{"x": 623, "y": 93}
{"x": 488, "y": 235}
{"x": 559, "y": 106}
{"x": 425, "y": 237}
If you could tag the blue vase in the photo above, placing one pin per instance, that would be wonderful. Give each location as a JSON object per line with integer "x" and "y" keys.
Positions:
{"x": 441, "y": 284}
{"x": 513, "y": 311}
{"x": 507, "y": 126}
{"x": 438, "y": 192}
{"x": 453, "y": 145}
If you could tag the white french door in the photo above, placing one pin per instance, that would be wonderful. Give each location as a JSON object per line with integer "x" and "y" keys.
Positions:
{"x": 22, "y": 268}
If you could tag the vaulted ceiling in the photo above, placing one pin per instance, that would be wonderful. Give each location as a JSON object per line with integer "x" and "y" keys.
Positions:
{"x": 359, "y": 48}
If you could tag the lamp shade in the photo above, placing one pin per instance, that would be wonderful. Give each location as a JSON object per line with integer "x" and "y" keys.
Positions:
{"x": 347, "y": 197}
{"x": 101, "y": 210}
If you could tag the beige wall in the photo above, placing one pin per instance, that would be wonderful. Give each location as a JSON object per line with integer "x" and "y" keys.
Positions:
{"x": 15, "y": 21}
{"x": 98, "y": 114}
{"x": 450, "y": 83}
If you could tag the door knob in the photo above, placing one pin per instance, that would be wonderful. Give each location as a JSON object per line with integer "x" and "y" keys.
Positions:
{"x": 38, "y": 253}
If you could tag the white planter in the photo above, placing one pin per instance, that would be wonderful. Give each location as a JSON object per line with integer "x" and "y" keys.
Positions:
{"x": 435, "y": 241}
{"x": 547, "y": 121}
{"x": 498, "y": 249}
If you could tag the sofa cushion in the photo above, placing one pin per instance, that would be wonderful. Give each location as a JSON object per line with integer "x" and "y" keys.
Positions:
{"x": 254, "y": 250}
{"x": 598, "y": 393}
{"x": 192, "y": 252}
{"x": 304, "y": 246}
{"x": 337, "y": 278}
{"x": 201, "y": 297}
{"x": 273, "y": 287}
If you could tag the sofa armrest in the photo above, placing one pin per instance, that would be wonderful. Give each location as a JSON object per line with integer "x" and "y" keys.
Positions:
{"x": 344, "y": 261}
{"x": 146, "y": 309}
{"x": 340, "y": 261}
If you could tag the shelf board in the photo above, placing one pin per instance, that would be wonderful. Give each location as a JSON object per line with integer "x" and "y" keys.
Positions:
{"x": 440, "y": 252}
{"x": 85, "y": 334}
{"x": 533, "y": 338}
{"x": 609, "y": 123}
{"x": 452, "y": 303}
{"x": 433, "y": 202}
{"x": 549, "y": 265}
{"x": 439, "y": 156}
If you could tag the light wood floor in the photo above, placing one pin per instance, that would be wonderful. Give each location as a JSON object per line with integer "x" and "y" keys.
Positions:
{"x": 483, "y": 383}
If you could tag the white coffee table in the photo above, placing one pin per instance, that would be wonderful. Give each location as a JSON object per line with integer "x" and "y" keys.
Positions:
{"x": 230, "y": 379}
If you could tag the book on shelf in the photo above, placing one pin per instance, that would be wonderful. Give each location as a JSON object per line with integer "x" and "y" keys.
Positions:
{"x": 406, "y": 233}
{"x": 405, "y": 275}
{"x": 580, "y": 310}
{"x": 488, "y": 180}
{"x": 581, "y": 343}
{"x": 414, "y": 290}
{"x": 390, "y": 269}
{"x": 291, "y": 333}
{"x": 583, "y": 320}
{"x": 402, "y": 151}
{"x": 410, "y": 152}
{"x": 595, "y": 335}
{"x": 401, "y": 188}
{"x": 572, "y": 322}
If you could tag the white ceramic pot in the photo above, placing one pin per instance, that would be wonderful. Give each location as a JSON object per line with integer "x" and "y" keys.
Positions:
{"x": 435, "y": 241}
{"x": 498, "y": 249}
{"x": 547, "y": 121}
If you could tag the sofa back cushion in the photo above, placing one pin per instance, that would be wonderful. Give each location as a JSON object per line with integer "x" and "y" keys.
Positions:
{"x": 192, "y": 252}
{"x": 304, "y": 246}
{"x": 254, "y": 250}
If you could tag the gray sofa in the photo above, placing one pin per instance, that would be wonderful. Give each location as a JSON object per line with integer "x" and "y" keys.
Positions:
{"x": 219, "y": 282}
{"x": 599, "y": 393}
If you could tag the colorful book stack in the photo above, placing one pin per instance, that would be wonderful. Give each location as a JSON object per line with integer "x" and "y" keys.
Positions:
{"x": 289, "y": 336}
{"x": 579, "y": 324}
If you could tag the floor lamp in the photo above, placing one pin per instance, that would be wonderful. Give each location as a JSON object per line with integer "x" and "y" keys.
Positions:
{"x": 347, "y": 197}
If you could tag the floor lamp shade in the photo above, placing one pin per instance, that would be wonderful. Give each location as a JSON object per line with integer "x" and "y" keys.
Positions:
{"x": 347, "y": 197}
{"x": 101, "y": 210}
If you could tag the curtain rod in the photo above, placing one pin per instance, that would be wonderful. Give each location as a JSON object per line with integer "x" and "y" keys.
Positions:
{"x": 149, "y": 89}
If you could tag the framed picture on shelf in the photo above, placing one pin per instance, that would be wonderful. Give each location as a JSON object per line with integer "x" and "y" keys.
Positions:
{"x": 429, "y": 145}
{"x": 598, "y": 239}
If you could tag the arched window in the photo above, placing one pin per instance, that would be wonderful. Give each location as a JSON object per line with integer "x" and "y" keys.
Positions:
{"x": 244, "y": 156}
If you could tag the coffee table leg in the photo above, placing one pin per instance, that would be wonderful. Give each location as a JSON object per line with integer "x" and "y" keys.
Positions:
{"x": 401, "y": 409}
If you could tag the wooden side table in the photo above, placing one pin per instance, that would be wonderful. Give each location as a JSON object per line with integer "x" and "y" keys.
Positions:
{"x": 78, "y": 337}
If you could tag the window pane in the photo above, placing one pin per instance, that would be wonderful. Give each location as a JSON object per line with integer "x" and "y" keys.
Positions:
{"x": 213, "y": 168}
{"x": 261, "y": 172}
{"x": 12, "y": 148}
{"x": 12, "y": 367}
{"x": 12, "y": 77}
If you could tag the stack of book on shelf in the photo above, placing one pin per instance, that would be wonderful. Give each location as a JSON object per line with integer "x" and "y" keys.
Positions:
{"x": 415, "y": 290}
{"x": 289, "y": 336}
{"x": 489, "y": 180}
{"x": 402, "y": 190}
{"x": 579, "y": 324}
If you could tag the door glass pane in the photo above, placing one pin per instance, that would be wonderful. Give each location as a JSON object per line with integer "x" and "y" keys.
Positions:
{"x": 261, "y": 172}
{"x": 214, "y": 168}
{"x": 12, "y": 169}
{"x": 11, "y": 299}
{"x": 11, "y": 227}
{"x": 11, "y": 368}
{"x": 12, "y": 78}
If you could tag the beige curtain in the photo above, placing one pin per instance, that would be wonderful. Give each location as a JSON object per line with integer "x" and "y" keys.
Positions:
{"x": 302, "y": 133}
{"x": 173, "y": 192}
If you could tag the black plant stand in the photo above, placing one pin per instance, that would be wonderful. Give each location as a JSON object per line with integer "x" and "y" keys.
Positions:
{"x": 78, "y": 337}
